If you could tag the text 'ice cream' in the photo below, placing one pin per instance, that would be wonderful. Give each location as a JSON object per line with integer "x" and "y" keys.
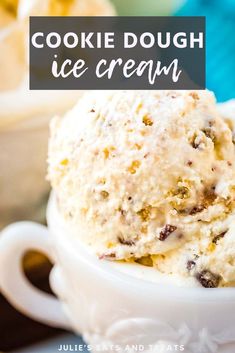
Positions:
{"x": 149, "y": 177}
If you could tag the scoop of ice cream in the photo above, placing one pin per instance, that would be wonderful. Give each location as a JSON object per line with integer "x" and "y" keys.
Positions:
{"x": 148, "y": 176}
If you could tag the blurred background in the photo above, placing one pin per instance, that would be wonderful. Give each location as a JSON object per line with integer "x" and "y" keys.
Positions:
{"x": 220, "y": 27}
{"x": 25, "y": 116}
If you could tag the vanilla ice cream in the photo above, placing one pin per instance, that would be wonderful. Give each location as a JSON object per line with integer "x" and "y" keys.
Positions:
{"x": 25, "y": 114}
{"x": 149, "y": 177}
{"x": 14, "y": 26}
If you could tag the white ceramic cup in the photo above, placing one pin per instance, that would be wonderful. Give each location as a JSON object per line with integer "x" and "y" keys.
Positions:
{"x": 108, "y": 306}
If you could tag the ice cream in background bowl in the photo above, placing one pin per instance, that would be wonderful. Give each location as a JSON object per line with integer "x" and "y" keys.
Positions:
{"x": 14, "y": 25}
{"x": 148, "y": 178}
{"x": 25, "y": 114}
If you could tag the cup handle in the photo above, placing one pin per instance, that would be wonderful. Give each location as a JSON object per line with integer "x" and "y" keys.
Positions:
{"x": 15, "y": 240}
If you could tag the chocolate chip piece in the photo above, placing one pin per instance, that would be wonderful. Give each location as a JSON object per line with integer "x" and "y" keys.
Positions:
{"x": 166, "y": 231}
{"x": 189, "y": 163}
{"x": 110, "y": 256}
{"x": 190, "y": 265}
{"x": 196, "y": 209}
{"x": 92, "y": 110}
{"x": 191, "y": 211}
{"x": 129, "y": 198}
{"x": 127, "y": 242}
{"x": 123, "y": 212}
{"x": 218, "y": 237}
{"x": 208, "y": 279}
